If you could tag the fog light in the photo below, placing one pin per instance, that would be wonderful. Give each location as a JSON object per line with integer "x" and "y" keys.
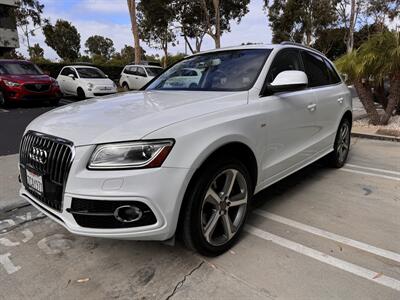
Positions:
{"x": 128, "y": 213}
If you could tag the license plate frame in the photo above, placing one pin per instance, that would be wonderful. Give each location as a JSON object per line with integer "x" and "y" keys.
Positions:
{"x": 34, "y": 182}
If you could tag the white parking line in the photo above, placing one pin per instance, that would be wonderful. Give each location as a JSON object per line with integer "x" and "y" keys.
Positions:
{"x": 373, "y": 169}
{"x": 369, "y": 174}
{"x": 4, "y": 110}
{"x": 331, "y": 236}
{"x": 325, "y": 258}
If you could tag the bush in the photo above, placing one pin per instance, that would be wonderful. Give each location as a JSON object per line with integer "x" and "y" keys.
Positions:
{"x": 53, "y": 69}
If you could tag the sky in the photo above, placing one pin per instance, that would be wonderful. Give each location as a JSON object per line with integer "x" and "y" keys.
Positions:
{"x": 110, "y": 18}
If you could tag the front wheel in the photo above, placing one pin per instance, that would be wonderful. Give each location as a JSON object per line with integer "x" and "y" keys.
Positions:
{"x": 217, "y": 207}
{"x": 81, "y": 94}
{"x": 2, "y": 99}
{"x": 338, "y": 157}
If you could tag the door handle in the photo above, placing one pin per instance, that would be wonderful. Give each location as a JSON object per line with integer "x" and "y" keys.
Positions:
{"x": 340, "y": 100}
{"x": 311, "y": 107}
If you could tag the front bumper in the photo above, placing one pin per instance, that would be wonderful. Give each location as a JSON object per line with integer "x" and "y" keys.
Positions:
{"x": 100, "y": 91}
{"x": 161, "y": 189}
{"x": 19, "y": 94}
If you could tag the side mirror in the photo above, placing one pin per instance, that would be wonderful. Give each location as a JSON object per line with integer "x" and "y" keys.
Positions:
{"x": 287, "y": 81}
{"x": 71, "y": 76}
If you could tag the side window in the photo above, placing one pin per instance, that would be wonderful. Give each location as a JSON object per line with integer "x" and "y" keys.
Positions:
{"x": 141, "y": 72}
{"x": 131, "y": 70}
{"x": 334, "y": 77}
{"x": 285, "y": 60}
{"x": 316, "y": 69}
{"x": 65, "y": 72}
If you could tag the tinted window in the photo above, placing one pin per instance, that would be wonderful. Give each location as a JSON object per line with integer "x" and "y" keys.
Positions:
{"x": 90, "y": 73}
{"x": 285, "y": 60}
{"x": 65, "y": 71}
{"x": 334, "y": 77}
{"x": 140, "y": 72}
{"x": 20, "y": 68}
{"x": 233, "y": 70}
{"x": 130, "y": 70}
{"x": 153, "y": 71}
{"x": 316, "y": 70}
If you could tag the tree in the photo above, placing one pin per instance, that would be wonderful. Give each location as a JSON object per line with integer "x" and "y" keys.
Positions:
{"x": 190, "y": 16}
{"x": 382, "y": 10}
{"x": 218, "y": 15}
{"x": 377, "y": 58}
{"x": 348, "y": 14}
{"x": 298, "y": 20}
{"x": 155, "y": 18}
{"x": 135, "y": 30}
{"x": 36, "y": 52}
{"x": 64, "y": 39}
{"x": 99, "y": 45}
{"x": 27, "y": 13}
{"x": 330, "y": 42}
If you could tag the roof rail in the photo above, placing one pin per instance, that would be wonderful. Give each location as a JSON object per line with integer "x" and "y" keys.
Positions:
{"x": 300, "y": 45}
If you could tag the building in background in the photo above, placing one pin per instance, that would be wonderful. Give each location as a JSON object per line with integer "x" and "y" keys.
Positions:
{"x": 8, "y": 27}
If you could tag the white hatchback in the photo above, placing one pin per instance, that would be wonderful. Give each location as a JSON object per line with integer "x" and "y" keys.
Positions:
{"x": 134, "y": 77}
{"x": 187, "y": 158}
{"x": 85, "y": 82}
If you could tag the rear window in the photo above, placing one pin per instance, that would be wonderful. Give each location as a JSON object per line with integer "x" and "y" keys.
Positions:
{"x": 19, "y": 68}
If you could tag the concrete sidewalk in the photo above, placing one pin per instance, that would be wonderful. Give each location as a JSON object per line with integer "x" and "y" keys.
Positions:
{"x": 9, "y": 184}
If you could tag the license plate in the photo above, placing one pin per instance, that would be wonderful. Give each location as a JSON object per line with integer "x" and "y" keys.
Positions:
{"x": 34, "y": 181}
{"x": 105, "y": 89}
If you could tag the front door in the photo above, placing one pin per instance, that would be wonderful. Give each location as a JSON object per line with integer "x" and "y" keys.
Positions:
{"x": 290, "y": 118}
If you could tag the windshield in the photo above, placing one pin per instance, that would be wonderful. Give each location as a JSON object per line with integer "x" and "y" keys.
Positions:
{"x": 90, "y": 73}
{"x": 154, "y": 71}
{"x": 234, "y": 70}
{"x": 19, "y": 68}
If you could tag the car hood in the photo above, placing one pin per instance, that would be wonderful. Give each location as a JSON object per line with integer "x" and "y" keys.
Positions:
{"x": 28, "y": 78}
{"x": 130, "y": 116}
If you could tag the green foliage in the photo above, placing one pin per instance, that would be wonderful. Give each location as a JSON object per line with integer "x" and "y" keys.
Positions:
{"x": 64, "y": 39}
{"x": 171, "y": 59}
{"x": 36, "y": 52}
{"x": 29, "y": 11}
{"x": 300, "y": 20}
{"x": 99, "y": 46}
{"x": 331, "y": 42}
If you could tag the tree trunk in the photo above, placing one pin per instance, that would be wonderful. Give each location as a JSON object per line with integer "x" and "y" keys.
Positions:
{"x": 367, "y": 100}
{"x": 394, "y": 95}
{"x": 165, "y": 48}
{"x": 380, "y": 94}
{"x": 217, "y": 36}
{"x": 352, "y": 22}
{"x": 135, "y": 31}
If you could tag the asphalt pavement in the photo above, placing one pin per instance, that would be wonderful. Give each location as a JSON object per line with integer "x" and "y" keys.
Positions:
{"x": 319, "y": 234}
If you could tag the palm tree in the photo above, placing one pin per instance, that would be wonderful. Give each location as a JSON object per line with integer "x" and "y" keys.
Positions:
{"x": 381, "y": 55}
{"x": 378, "y": 58}
{"x": 352, "y": 65}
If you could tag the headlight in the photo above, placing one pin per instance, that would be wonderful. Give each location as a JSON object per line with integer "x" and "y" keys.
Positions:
{"x": 90, "y": 85}
{"x": 130, "y": 155}
{"x": 11, "y": 83}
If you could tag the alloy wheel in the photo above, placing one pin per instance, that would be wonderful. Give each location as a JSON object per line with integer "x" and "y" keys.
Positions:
{"x": 224, "y": 207}
{"x": 344, "y": 142}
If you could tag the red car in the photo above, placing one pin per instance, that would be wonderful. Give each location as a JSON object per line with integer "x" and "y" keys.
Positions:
{"x": 23, "y": 81}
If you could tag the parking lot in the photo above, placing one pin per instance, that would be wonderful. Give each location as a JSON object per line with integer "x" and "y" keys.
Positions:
{"x": 321, "y": 233}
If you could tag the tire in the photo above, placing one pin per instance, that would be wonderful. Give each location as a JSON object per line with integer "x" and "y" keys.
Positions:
{"x": 3, "y": 101}
{"x": 125, "y": 86}
{"x": 341, "y": 148}
{"x": 81, "y": 94}
{"x": 54, "y": 102}
{"x": 208, "y": 214}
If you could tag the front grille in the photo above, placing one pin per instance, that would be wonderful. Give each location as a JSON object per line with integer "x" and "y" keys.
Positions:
{"x": 37, "y": 87}
{"x": 52, "y": 164}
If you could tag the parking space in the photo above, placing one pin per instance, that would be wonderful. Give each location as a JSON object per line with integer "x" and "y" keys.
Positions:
{"x": 321, "y": 233}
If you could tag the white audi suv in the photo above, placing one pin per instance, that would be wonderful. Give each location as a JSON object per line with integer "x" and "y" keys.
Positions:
{"x": 187, "y": 159}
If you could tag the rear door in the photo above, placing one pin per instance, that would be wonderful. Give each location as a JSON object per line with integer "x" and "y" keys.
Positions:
{"x": 290, "y": 119}
{"x": 330, "y": 93}
{"x": 141, "y": 77}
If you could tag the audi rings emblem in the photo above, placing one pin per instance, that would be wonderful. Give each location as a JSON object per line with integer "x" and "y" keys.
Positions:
{"x": 38, "y": 155}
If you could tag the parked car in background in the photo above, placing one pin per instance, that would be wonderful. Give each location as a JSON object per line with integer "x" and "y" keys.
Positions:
{"x": 134, "y": 77}
{"x": 23, "y": 81}
{"x": 185, "y": 78}
{"x": 85, "y": 82}
{"x": 188, "y": 159}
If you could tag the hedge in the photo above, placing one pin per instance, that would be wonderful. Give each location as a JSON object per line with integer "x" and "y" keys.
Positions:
{"x": 53, "y": 69}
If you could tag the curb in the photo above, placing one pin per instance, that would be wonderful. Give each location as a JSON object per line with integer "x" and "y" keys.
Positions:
{"x": 375, "y": 137}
